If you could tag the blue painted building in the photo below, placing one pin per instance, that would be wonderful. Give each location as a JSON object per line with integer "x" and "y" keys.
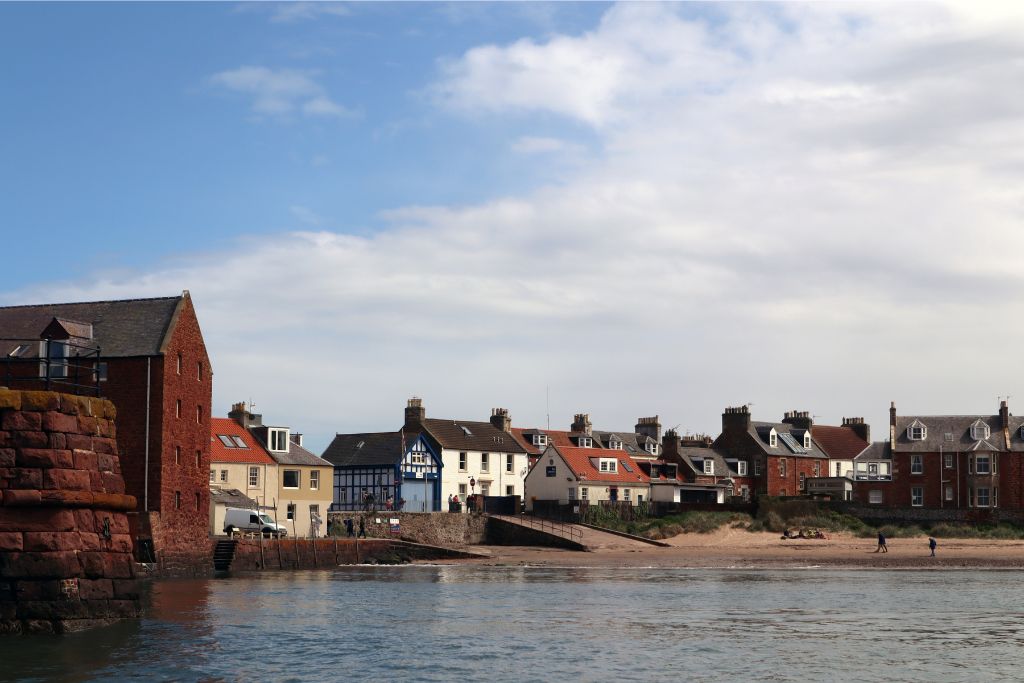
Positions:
{"x": 385, "y": 469}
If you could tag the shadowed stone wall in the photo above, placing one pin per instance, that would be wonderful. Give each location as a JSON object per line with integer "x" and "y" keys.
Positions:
{"x": 65, "y": 551}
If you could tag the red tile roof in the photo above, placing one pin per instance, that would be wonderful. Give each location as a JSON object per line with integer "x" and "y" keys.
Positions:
{"x": 839, "y": 443}
{"x": 579, "y": 461}
{"x": 525, "y": 441}
{"x": 254, "y": 454}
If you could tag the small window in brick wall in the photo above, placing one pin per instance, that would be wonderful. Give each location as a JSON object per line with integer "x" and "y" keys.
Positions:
{"x": 177, "y": 500}
{"x": 199, "y": 371}
{"x": 199, "y": 458}
{"x": 177, "y": 408}
{"x": 177, "y": 455}
{"x": 199, "y": 413}
{"x": 197, "y": 500}
{"x": 178, "y": 368}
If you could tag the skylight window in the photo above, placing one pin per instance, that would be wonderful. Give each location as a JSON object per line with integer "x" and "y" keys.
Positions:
{"x": 18, "y": 351}
{"x": 465, "y": 429}
{"x": 226, "y": 440}
{"x": 239, "y": 442}
{"x": 625, "y": 466}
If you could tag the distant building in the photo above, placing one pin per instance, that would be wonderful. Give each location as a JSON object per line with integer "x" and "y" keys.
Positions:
{"x": 388, "y": 466}
{"x": 570, "y": 474}
{"x": 149, "y": 358}
{"x": 239, "y": 462}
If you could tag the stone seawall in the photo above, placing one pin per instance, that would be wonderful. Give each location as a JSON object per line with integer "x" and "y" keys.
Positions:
{"x": 904, "y": 515}
{"x": 432, "y": 528}
{"x": 65, "y": 549}
{"x": 324, "y": 553}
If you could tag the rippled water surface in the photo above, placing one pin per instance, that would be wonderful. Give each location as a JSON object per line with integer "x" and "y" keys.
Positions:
{"x": 471, "y": 623}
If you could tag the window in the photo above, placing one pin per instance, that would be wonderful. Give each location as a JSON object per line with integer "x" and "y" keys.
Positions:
{"x": 291, "y": 511}
{"x": 584, "y": 493}
{"x": 540, "y": 439}
{"x": 917, "y": 432}
{"x": 983, "y": 497}
{"x": 949, "y": 493}
{"x": 982, "y": 464}
{"x": 757, "y": 468}
{"x": 625, "y": 494}
{"x": 508, "y": 462}
{"x": 615, "y": 444}
{"x": 839, "y": 469}
{"x": 917, "y": 496}
{"x": 510, "y": 490}
{"x": 995, "y": 463}
{"x": 817, "y": 468}
{"x": 342, "y": 495}
{"x": 807, "y": 439}
{"x": 199, "y": 458}
{"x": 709, "y": 466}
{"x": 238, "y": 442}
{"x": 585, "y": 442}
{"x": 948, "y": 436}
{"x": 102, "y": 371}
{"x": 223, "y": 475}
{"x": 55, "y": 364}
{"x": 485, "y": 488}
{"x": 178, "y": 368}
{"x": 314, "y": 480}
{"x": 290, "y": 479}
{"x": 873, "y": 469}
{"x": 773, "y": 439}
{"x": 485, "y": 462}
{"x": 197, "y": 500}
{"x": 607, "y": 465}
{"x": 177, "y": 408}
{"x": 199, "y": 371}
{"x": 947, "y": 460}
{"x": 213, "y": 476}
{"x": 916, "y": 464}
{"x": 741, "y": 468}
{"x": 19, "y": 350}
{"x": 462, "y": 489}
{"x": 979, "y": 431}
{"x": 199, "y": 413}
{"x": 652, "y": 448}
{"x": 177, "y": 500}
{"x": 572, "y": 494}
{"x": 462, "y": 462}
{"x": 278, "y": 439}
{"x": 803, "y": 482}
{"x": 226, "y": 440}
{"x": 314, "y": 512}
{"x": 782, "y": 467}
{"x": 177, "y": 455}
{"x": 875, "y": 497}
{"x": 995, "y": 497}
{"x": 254, "y": 477}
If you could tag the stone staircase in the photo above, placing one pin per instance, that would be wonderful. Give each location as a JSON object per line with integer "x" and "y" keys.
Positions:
{"x": 223, "y": 555}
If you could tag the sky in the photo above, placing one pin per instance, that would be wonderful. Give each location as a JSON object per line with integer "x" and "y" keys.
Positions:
{"x": 616, "y": 209}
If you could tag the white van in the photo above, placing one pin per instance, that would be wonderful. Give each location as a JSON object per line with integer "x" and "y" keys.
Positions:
{"x": 250, "y": 520}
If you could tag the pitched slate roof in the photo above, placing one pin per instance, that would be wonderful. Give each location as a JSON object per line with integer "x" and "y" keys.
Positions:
{"x": 839, "y": 443}
{"x": 525, "y": 438}
{"x": 252, "y": 454}
{"x": 123, "y": 328}
{"x": 579, "y": 461}
{"x": 371, "y": 448}
{"x": 760, "y": 432}
{"x": 878, "y": 450}
{"x": 692, "y": 454}
{"x": 232, "y": 498}
{"x": 297, "y": 455}
{"x": 632, "y": 443}
{"x": 470, "y": 436}
{"x": 953, "y": 433}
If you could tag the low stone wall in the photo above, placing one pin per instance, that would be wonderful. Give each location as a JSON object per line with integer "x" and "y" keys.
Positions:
{"x": 322, "y": 553}
{"x": 449, "y": 529}
{"x": 501, "y": 532}
{"x": 65, "y": 549}
{"x": 878, "y": 515}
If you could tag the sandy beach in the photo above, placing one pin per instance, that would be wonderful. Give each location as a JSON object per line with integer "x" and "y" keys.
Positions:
{"x": 738, "y": 548}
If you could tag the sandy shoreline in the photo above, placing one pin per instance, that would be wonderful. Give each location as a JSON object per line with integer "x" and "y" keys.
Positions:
{"x": 737, "y": 548}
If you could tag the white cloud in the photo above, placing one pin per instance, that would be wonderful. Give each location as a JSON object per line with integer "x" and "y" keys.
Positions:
{"x": 291, "y": 12}
{"x": 808, "y": 207}
{"x": 279, "y": 91}
{"x": 529, "y": 144}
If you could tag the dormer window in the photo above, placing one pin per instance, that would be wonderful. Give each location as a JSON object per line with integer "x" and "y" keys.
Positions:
{"x": 709, "y": 466}
{"x": 585, "y": 442}
{"x": 277, "y": 440}
{"x": 651, "y": 447}
{"x": 540, "y": 439}
{"x": 615, "y": 444}
{"x": 807, "y": 440}
{"x": 773, "y": 439}
{"x": 917, "y": 432}
{"x": 607, "y": 465}
{"x": 980, "y": 431}
{"x": 55, "y": 353}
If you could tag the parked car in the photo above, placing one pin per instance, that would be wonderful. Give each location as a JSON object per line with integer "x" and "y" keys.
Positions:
{"x": 250, "y": 520}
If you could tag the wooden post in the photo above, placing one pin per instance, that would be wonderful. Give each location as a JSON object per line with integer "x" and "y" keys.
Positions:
{"x": 336, "y": 563}
{"x": 295, "y": 544}
{"x": 316, "y": 562}
{"x": 280, "y": 560}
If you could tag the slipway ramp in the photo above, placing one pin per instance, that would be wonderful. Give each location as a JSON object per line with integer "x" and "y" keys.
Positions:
{"x": 567, "y": 535}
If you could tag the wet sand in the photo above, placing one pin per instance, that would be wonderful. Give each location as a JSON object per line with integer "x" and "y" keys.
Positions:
{"x": 738, "y": 548}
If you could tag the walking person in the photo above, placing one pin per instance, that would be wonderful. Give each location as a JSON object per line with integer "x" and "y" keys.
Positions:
{"x": 881, "y": 543}
{"x": 932, "y": 544}
{"x": 349, "y": 529}
{"x": 362, "y": 528}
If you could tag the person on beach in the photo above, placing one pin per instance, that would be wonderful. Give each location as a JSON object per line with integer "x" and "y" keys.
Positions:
{"x": 932, "y": 544}
{"x": 362, "y": 528}
{"x": 881, "y": 543}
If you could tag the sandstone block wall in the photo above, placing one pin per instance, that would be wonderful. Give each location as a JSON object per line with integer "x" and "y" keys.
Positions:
{"x": 432, "y": 528}
{"x": 65, "y": 549}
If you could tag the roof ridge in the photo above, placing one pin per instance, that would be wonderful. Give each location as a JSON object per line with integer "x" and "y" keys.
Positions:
{"x": 105, "y": 301}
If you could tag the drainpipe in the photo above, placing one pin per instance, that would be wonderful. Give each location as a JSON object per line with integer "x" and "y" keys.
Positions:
{"x": 145, "y": 483}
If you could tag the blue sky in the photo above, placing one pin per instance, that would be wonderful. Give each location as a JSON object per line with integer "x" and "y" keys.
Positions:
{"x": 620, "y": 209}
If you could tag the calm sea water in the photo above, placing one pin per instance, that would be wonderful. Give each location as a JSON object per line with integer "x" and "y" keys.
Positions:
{"x": 470, "y": 623}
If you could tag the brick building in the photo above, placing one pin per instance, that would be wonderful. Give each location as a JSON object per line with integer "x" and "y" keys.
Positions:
{"x": 945, "y": 461}
{"x": 149, "y": 358}
{"x": 711, "y": 475}
{"x": 780, "y": 456}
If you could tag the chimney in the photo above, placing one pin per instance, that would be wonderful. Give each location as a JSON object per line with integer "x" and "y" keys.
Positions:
{"x": 736, "y": 419}
{"x": 697, "y": 441}
{"x": 414, "y": 414}
{"x": 296, "y": 439}
{"x": 671, "y": 443}
{"x": 858, "y": 427}
{"x": 649, "y": 426}
{"x": 243, "y": 417}
{"x": 501, "y": 420}
{"x": 1004, "y": 415}
{"x": 581, "y": 423}
{"x": 801, "y": 419}
{"x": 892, "y": 423}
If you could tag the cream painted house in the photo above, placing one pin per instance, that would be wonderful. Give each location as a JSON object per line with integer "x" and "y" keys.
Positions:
{"x": 570, "y": 474}
{"x": 238, "y": 462}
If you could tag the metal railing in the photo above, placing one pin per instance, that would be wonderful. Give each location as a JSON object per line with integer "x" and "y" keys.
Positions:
{"x": 52, "y": 364}
{"x": 546, "y": 525}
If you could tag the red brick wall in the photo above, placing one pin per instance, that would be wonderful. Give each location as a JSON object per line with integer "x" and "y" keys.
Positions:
{"x": 772, "y": 481}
